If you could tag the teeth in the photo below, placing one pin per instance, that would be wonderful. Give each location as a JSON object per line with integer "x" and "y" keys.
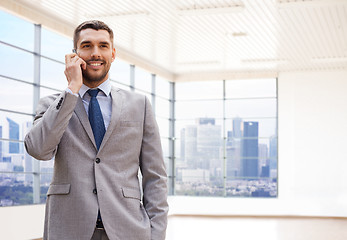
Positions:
{"x": 95, "y": 64}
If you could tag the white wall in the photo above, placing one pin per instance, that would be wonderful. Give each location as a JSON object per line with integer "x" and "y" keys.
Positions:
{"x": 312, "y": 130}
{"x": 313, "y": 140}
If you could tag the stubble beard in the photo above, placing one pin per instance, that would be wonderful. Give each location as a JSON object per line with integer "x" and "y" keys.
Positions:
{"x": 94, "y": 79}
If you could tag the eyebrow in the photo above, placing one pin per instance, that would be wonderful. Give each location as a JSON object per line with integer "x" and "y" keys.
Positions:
{"x": 88, "y": 42}
{"x": 85, "y": 42}
{"x": 107, "y": 43}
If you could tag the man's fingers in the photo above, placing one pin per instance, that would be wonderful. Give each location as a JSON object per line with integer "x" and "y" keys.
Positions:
{"x": 70, "y": 57}
{"x": 73, "y": 73}
{"x": 74, "y": 58}
{"x": 83, "y": 64}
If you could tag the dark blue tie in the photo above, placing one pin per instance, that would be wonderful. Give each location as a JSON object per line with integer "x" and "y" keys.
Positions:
{"x": 95, "y": 117}
{"x": 97, "y": 123}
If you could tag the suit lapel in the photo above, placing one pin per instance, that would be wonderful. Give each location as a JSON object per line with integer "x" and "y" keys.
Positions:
{"x": 117, "y": 103}
{"x": 83, "y": 117}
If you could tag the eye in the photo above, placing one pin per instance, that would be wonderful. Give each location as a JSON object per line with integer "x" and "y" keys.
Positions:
{"x": 104, "y": 46}
{"x": 85, "y": 46}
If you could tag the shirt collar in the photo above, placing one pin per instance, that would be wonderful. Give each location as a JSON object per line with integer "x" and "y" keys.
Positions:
{"x": 105, "y": 87}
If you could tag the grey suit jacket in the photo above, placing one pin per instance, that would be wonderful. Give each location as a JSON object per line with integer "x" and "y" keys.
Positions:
{"x": 86, "y": 179}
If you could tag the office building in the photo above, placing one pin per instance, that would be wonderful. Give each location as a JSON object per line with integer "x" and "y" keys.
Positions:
{"x": 250, "y": 157}
{"x": 13, "y": 134}
{"x": 208, "y": 145}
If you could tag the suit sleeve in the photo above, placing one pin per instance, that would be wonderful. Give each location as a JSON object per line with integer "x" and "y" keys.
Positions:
{"x": 154, "y": 180}
{"x": 51, "y": 120}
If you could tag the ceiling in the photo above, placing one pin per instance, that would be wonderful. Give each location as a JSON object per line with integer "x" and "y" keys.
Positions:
{"x": 209, "y": 39}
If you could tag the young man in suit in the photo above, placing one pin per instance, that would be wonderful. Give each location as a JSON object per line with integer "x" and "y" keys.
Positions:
{"x": 100, "y": 136}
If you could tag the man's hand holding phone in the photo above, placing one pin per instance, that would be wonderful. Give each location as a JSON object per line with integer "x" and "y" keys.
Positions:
{"x": 73, "y": 71}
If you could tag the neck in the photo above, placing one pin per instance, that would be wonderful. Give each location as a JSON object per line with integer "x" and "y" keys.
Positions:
{"x": 93, "y": 84}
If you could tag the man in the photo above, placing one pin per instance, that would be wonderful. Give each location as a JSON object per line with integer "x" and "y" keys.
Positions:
{"x": 95, "y": 191}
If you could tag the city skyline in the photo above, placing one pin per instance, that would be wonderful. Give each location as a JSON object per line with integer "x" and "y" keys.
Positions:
{"x": 202, "y": 153}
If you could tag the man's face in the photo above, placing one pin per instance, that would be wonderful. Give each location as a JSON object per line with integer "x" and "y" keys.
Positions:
{"x": 96, "y": 49}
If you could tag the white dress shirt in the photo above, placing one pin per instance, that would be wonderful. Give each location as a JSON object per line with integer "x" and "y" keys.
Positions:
{"x": 104, "y": 98}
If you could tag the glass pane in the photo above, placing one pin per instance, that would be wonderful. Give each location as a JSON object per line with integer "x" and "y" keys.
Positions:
{"x": 46, "y": 92}
{"x": 54, "y": 45}
{"x": 52, "y": 74}
{"x": 162, "y": 87}
{"x": 250, "y": 88}
{"x": 15, "y": 188}
{"x": 167, "y": 166}
{"x": 165, "y": 146}
{"x": 143, "y": 80}
{"x": 120, "y": 71}
{"x": 16, "y": 58}
{"x": 266, "y": 127}
{"x": 179, "y": 148}
{"x": 16, "y": 96}
{"x": 199, "y": 90}
{"x": 16, "y": 31}
{"x": 163, "y": 125}
{"x": 14, "y": 126}
{"x": 162, "y": 107}
{"x": 251, "y": 108}
{"x": 199, "y": 109}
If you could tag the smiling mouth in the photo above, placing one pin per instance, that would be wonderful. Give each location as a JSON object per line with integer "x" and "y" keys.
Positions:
{"x": 95, "y": 64}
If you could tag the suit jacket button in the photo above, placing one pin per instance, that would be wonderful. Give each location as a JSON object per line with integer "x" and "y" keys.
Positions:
{"x": 95, "y": 191}
{"x": 97, "y": 160}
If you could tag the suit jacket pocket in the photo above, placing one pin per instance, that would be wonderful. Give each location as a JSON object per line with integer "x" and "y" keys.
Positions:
{"x": 59, "y": 189}
{"x": 131, "y": 193}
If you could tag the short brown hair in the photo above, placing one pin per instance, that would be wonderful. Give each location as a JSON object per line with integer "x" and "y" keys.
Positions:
{"x": 93, "y": 24}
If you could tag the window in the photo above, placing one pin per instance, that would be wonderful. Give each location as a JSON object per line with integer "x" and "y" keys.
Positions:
{"x": 227, "y": 146}
{"x": 225, "y": 138}
{"x": 18, "y": 171}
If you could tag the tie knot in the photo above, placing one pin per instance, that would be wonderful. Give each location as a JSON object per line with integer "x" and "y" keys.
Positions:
{"x": 93, "y": 92}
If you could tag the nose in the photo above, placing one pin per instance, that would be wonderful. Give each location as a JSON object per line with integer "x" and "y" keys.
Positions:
{"x": 95, "y": 52}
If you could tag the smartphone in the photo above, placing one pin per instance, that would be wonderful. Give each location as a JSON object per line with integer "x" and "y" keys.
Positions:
{"x": 74, "y": 51}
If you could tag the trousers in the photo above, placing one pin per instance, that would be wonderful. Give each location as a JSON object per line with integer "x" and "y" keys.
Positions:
{"x": 99, "y": 234}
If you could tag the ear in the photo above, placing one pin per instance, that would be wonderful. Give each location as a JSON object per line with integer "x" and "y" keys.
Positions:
{"x": 113, "y": 54}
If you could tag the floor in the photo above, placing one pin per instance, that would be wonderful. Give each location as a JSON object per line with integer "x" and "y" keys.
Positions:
{"x": 257, "y": 228}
